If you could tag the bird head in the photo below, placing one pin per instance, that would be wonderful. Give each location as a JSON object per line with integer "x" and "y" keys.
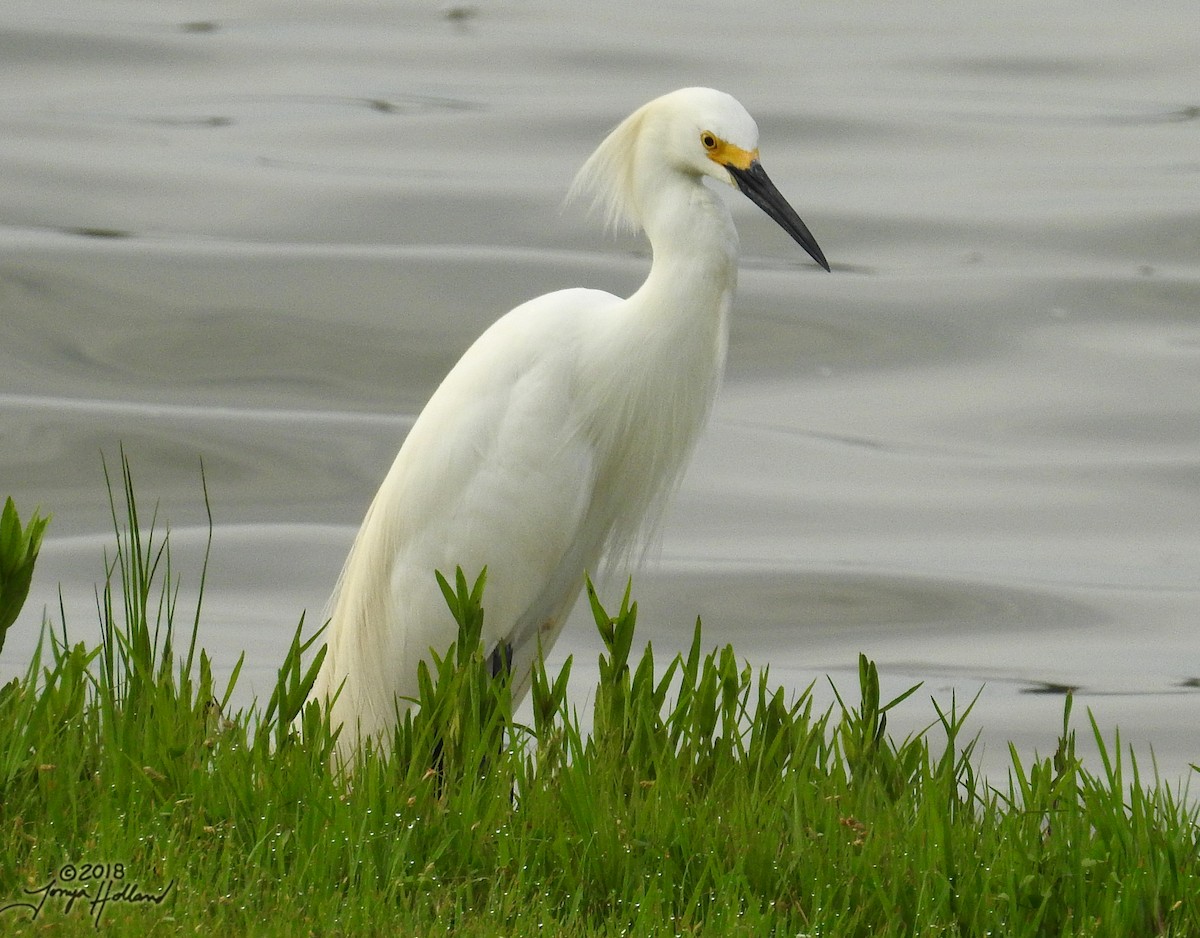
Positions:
{"x": 699, "y": 132}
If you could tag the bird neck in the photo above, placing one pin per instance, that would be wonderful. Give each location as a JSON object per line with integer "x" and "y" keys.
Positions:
{"x": 656, "y": 363}
{"x": 695, "y": 248}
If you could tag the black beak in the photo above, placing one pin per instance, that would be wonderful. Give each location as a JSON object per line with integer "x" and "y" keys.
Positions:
{"x": 757, "y": 186}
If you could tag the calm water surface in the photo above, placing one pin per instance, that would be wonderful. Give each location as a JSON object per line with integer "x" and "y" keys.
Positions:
{"x": 257, "y": 234}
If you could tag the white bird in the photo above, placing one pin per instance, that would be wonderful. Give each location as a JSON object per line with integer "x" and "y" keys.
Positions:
{"x": 561, "y": 432}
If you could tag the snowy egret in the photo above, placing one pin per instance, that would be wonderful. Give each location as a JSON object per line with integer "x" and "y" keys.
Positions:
{"x": 562, "y": 431}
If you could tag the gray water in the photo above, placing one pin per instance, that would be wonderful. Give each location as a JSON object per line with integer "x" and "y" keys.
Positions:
{"x": 256, "y": 235}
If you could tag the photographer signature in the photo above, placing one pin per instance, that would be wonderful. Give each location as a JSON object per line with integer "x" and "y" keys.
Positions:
{"x": 99, "y": 886}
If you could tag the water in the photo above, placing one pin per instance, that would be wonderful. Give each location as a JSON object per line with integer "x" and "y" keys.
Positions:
{"x": 257, "y": 236}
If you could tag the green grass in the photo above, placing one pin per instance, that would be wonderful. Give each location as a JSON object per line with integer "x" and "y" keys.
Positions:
{"x": 19, "y": 548}
{"x": 702, "y": 801}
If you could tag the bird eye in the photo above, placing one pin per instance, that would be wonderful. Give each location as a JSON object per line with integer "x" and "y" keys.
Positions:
{"x": 709, "y": 140}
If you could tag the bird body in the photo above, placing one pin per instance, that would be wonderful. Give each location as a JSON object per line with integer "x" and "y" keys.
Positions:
{"x": 559, "y": 435}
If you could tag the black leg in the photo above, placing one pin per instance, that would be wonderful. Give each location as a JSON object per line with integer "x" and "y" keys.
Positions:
{"x": 501, "y": 663}
{"x": 501, "y": 659}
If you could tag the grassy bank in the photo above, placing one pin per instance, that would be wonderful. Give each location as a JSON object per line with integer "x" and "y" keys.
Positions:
{"x": 702, "y": 801}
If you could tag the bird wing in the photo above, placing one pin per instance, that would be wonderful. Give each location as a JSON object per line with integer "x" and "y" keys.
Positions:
{"x": 498, "y": 472}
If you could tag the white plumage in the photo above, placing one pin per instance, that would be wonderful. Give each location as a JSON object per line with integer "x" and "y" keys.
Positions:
{"x": 563, "y": 429}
